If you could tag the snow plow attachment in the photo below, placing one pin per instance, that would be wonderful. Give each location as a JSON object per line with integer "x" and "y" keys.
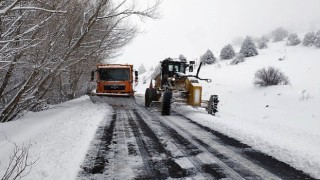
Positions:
{"x": 117, "y": 101}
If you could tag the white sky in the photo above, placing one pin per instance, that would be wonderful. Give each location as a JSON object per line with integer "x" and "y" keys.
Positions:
{"x": 190, "y": 27}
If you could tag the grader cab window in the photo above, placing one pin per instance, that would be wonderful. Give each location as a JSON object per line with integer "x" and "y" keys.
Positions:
{"x": 182, "y": 68}
{"x": 114, "y": 74}
{"x": 178, "y": 68}
{"x": 171, "y": 68}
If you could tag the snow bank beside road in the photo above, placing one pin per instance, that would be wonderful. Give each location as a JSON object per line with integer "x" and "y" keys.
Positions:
{"x": 281, "y": 121}
{"x": 291, "y": 144}
{"x": 59, "y": 138}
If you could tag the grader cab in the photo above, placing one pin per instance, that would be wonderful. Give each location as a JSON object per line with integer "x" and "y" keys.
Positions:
{"x": 173, "y": 85}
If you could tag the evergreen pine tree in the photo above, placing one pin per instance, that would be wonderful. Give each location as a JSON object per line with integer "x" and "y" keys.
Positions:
{"x": 262, "y": 42}
{"x": 293, "y": 39}
{"x": 309, "y": 39}
{"x": 248, "y": 48}
{"x": 317, "y": 41}
{"x": 208, "y": 57}
{"x": 227, "y": 52}
{"x": 279, "y": 34}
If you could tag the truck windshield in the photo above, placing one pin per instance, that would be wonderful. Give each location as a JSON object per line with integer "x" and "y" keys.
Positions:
{"x": 114, "y": 74}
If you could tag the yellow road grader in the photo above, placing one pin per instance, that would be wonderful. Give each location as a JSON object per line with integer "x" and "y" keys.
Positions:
{"x": 173, "y": 85}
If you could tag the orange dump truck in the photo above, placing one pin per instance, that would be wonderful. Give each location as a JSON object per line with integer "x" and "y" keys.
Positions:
{"x": 113, "y": 80}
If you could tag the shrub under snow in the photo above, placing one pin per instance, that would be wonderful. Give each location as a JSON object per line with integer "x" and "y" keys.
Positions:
{"x": 248, "y": 48}
{"x": 270, "y": 76}
{"x": 317, "y": 41}
{"x": 227, "y": 52}
{"x": 309, "y": 39}
{"x": 262, "y": 42}
{"x": 208, "y": 57}
{"x": 293, "y": 40}
{"x": 279, "y": 34}
{"x": 238, "y": 59}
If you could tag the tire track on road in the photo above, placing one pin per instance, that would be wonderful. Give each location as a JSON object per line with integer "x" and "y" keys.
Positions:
{"x": 95, "y": 160}
{"x": 189, "y": 151}
{"x": 276, "y": 167}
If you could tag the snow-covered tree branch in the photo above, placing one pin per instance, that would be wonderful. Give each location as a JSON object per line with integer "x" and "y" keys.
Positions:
{"x": 48, "y": 47}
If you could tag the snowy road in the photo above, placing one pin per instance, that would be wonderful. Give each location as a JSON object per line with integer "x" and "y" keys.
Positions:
{"x": 139, "y": 143}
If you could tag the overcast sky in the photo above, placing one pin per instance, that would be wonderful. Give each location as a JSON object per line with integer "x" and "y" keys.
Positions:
{"x": 190, "y": 27}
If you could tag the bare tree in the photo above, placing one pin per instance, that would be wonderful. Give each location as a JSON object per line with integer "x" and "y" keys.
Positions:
{"x": 20, "y": 33}
{"x": 47, "y": 46}
{"x": 19, "y": 164}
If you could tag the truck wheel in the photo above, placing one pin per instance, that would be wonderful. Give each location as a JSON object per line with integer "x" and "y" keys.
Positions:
{"x": 153, "y": 94}
{"x": 147, "y": 100}
{"x": 150, "y": 95}
{"x": 166, "y": 103}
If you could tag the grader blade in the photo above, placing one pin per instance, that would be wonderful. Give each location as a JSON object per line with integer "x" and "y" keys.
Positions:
{"x": 156, "y": 105}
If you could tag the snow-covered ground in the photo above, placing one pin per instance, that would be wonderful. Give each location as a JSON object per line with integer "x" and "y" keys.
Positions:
{"x": 281, "y": 121}
{"x": 58, "y": 139}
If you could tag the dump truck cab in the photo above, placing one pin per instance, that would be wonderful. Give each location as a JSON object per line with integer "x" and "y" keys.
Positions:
{"x": 114, "y": 80}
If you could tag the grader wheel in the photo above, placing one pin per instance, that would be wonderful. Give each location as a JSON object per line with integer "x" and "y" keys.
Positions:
{"x": 213, "y": 105}
{"x": 150, "y": 95}
{"x": 166, "y": 103}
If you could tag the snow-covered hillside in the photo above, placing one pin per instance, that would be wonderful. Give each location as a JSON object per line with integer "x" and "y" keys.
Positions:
{"x": 281, "y": 121}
